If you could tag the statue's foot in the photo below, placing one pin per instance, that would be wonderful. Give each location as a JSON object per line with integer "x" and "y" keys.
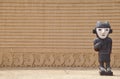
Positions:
{"x": 108, "y": 69}
{"x": 109, "y": 72}
{"x": 102, "y": 69}
{"x": 106, "y": 72}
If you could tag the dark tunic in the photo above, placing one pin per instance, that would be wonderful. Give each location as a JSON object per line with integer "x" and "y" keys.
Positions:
{"x": 104, "y": 47}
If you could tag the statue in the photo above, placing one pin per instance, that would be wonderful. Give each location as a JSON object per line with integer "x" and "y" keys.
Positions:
{"x": 103, "y": 45}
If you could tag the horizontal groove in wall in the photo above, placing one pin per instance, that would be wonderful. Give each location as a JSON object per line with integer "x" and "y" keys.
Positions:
{"x": 59, "y": 2}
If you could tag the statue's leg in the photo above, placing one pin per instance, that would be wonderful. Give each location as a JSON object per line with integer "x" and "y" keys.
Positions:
{"x": 108, "y": 69}
{"x": 102, "y": 68}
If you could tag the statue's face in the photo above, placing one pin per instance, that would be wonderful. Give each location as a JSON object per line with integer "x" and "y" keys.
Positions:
{"x": 102, "y": 32}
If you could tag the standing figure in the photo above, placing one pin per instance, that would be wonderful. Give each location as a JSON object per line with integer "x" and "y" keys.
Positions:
{"x": 103, "y": 45}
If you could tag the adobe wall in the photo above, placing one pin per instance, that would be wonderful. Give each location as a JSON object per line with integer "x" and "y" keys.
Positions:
{"x": 55, "y": 33}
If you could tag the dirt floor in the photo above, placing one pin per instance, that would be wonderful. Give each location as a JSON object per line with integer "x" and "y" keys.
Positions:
{"x": 55, "y": 73}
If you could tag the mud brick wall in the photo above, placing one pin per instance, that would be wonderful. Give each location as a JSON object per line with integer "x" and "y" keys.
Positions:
{"x": 55, "y": 33}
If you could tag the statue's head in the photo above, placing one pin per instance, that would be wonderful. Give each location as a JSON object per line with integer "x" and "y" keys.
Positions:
{"x": 102, "y": 29}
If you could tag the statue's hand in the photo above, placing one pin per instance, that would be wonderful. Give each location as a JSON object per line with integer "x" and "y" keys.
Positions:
{"x": 97, "y": 46}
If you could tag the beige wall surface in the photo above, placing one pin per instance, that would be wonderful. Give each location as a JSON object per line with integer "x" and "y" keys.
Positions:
{"x": 55, "y": 33}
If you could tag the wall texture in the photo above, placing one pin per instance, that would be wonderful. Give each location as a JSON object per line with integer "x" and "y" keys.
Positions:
{"x": 50, "y": 33}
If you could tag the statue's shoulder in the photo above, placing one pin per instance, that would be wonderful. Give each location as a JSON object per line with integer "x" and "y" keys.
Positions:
{"x": 97, "y": 40}
{"x": 109, "y": 39}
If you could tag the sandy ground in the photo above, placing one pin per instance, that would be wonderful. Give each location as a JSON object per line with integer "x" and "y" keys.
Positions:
{"x": 55, "y": 73}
